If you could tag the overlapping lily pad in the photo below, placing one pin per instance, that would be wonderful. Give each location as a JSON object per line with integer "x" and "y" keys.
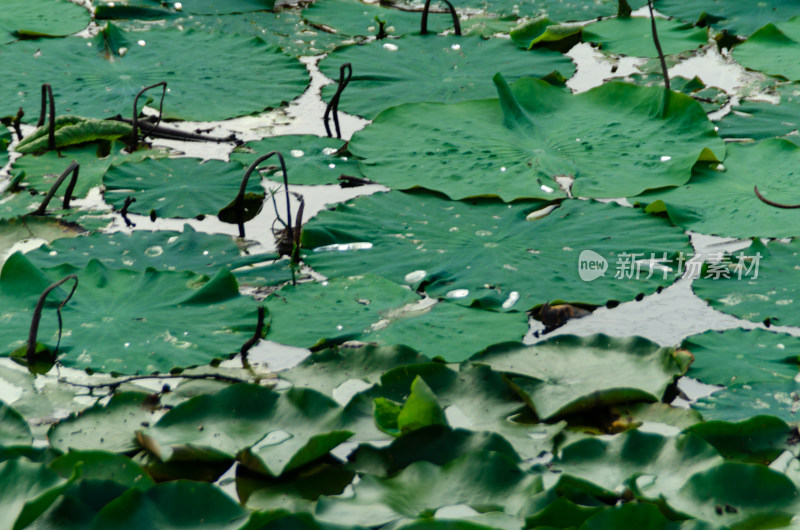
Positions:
{"x": 432, "y": 69}
{"x": 758, "y": 283}
{"x": 176, "y": 187}
{"x": 485, "y": 252}
{"x": 192, "y": 7}
{"x": 42, "y": 18}
{"x": 738, "y": 18}
{"x": 722, "y": 202}
{"x": 772, "y": 50}
{"x": 610, "y": 139}
{"x": 107, "y": 72}
{"x": 758, "y": 120}
{"x": 633, "y": 36}
{"x": 162, "y": 250}
{"x": 310, "y": 160}
{"x": 355, "y": 18}
{"x": 611, "y": 371}
{"x": 215, "y": 319}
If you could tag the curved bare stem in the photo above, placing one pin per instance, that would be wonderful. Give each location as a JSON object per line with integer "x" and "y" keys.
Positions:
{"x": 73, "y": 168}
{"x": 334, "y": 103}
{"x": 773, "y": 203}
{"x": 424, "y": 25}
{"x": 135, "y": 133}
{"x": 37, "y": 316}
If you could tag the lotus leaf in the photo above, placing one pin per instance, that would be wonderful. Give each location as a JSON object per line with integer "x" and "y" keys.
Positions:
{"x": 192, "y": 7}
{"x": 276, "y": 273}
{"x": 757, "y": 283}
{"x": 175, "y": 505}
{"x": 760, "y": 439}
{"x": 748, "y": 495}
{"x": 738, "y": 18}
{"x": 611, "y": 139}
{"x": 124, "y": 321}
{"x": 710, "y": 98}
{"x": 42, "y": 18}
{"x": 722, "y": 202}
{"x": 371, "y": 308}
{"x": 543, "y": 32}
{"x": 758, "y": 120}
{"x": 741, "y": 401}
{"x": 176, "y": 187}
{"x": 40, "y": 172}
{"x": 355, "y": 18}
{"x": 28, "y": 489}
{"x": 78, "y": 504}
{"x": 564, "y": 10}
{"x": 771, "y": 50}
{"x": 13, "y": 428}
{"x": 73, "y": 130}
{"x": 486, "y": 480}
{"x": 485, "y": 252}
{"x": 309, "y": 159}
{"x": 643, "y": 516}
{"x": 432, "y": 69}
{"x": 102, "y": 465}
{"x": 664, "y": 463}
{"x": 28, "y": 228}
{"x": 163, "y": 250}
{"x": 633, "y": 36}
{"x": 611, "y": 371}
{"x": 103, "y": 78}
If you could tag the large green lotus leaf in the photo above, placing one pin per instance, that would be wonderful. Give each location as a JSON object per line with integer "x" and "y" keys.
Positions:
{"x": 192, "y": 7}
{"x": 568, "y": 374}
{"x": 664, "y": 462}
{"x": 28, "y": 489}
{"x": 101, "y": 82}
{"x": 110, "y": 427}
{"x": 760, "y": 119}
{"x": 739, "y": 356}
{"x": 742, "y": 401}
{"x": 176, "y": 187}
{"x": 78, "y": 504}
{"x": 355, "y": 18}
{"x": 41, "y": 172}
{"x": 432, "y": 69}
{"x": 14, "y": 429}
{"x": 761, "y": 283}
{"x": 437, "y": 444}
{"x": 326, "y": 370}
{"x": 279, "y": 432}
{"x": 633, "y": 36}
{"x": 42, "y": 18}
{"x": 102, "y": 465}
{"x": 485, "y": 252}
{"x": 293, "y": 491}
{"x": 611, "y": 139}
{"x": 127, "y": 321}
{"x": 485, "y": 480}
{"x": 738, "y": 18}
{"x": 772, "y": 50}
{"x": 373, "y": 309}
{"x": 310, "y": 160}
{"x": 163, "y": 250}
{"x": 14, "y": 205}
{"x": 478, "y": 399}
{"x": 285, "y": 28}
{"x": 723, "y": 203}
{"x": 563, "y": 10}
{"x": 750, "y": 495}
{"x": 172, "y": 505}
{"x": 760, "y": 439}
{"x": 29, "y": 228}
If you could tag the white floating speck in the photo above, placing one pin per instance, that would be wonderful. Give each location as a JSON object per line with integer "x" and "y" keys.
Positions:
{"x": 547, "y": 189}
{"x": 122, "y": 51}
{"x": 340, "y": 327}
{"x": 541, "y": 212}
{"x": 482, "y": 233}
{"x": 391, "y": 47}
{"x": 511, "y": 300}
{"x": 666, "y": 158}
{"x": 297, "y": 153}
{"x": 331, "y": 166}
{"x": 141, "y": 42}
{"x": 456, "y": 47}
{"x": 503, "y": 168}
{"x": 329, "y": 151}
{"x": 458, "y": 293}
{"x": 205, "y": 253}
{"x": 154, "y": 251}
{"x": 178, "y": 6}
{"x": 127, "y": 344}
{"x": 413, "y": 277}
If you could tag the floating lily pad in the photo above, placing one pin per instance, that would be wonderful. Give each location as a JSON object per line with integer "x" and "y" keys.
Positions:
{"x": 543, "y": 32}
{"x": 374, "y": 309}
{"x": 611, "y": 371}
{"x": 355, "y": 18}
{"x": 310, "y": 160}
{"x": 14, "y": 429}
{"x": 192, "y": 7}
{"x": 125, "y": 321}
{"x": 432, "y": 69}
{"x": 760, "y": 439}
{"x": 485, "y": 252}
{"x": 723, "y": 202}
{"x": 758, "y": 283}
{"x": 41, "y": 171}
{"x": 610, "y": 139}
{"x": 772, "y": 50}
{"x": 29, "y": 229}
{"x": 742, "y": 401}
{"x": 563, "y": 10}
{"x": 633, "y": 36}
{"x": 710, "y": 98}
{"x": 42, "y": 18}
{"x": 758, "y": 120}
{"x": 176, "y": 187}
{"x": 738, "y": 18}
{"x": 29, "y": 488}
{"x": 103, "y": 78}
{"x": 275, "y": 273}
{"x": 71, "y": 130}
{"x": 163, "y": 250}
